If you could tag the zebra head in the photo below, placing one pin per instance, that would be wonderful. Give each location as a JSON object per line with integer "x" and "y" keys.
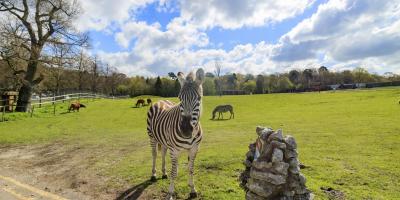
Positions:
{"x": 190, "y": 96}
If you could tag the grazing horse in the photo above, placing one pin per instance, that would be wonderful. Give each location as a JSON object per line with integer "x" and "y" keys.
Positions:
{"x": 75, "y": 106}
{"x": 176, "y": 127}
{"x": 221, "y": 109}
{"x": 140, "y": 102}
{"x": 149, "y": 102}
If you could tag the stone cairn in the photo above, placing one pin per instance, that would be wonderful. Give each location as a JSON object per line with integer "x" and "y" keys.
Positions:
{"x": 272, "y": 168}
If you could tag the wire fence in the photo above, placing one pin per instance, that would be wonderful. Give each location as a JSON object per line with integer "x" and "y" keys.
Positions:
{"x": 51, "y": 102}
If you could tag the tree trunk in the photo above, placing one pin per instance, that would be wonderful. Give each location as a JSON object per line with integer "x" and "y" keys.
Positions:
{"x": 24, "y": 98}
{"x": 25, "y": 92}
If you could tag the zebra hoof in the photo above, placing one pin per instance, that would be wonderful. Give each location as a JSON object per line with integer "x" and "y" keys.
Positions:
{"x": 193, "y": 195}
{"x": 164, "y": 177}
{"x": 153, "y": 179}
{"x": 170, "y": 197}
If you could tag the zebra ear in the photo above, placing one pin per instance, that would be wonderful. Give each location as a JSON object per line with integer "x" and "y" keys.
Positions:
{"x": 181, "y": 78}
{"x": 200, "y": 76}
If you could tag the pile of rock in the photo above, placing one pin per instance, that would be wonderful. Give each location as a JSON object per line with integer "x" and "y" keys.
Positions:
{"x": 272, "y": 168}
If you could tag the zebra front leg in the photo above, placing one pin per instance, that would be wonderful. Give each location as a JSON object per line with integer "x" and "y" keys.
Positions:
{"x": 163, "y": 153}
{"x": 192, "y": 157}
{"x": 153, "y": 145}
{"x": 174, "y": 173}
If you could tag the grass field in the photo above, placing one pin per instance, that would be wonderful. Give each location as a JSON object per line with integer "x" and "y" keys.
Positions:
{"x": 350, "y": 141}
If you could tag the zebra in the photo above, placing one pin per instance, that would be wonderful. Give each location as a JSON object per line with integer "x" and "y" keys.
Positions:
{"x": 221, "y": 109}
{"x": 176, "y": 127}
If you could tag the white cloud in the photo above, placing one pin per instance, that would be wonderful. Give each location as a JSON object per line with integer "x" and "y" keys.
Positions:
{"x": 359, "y": 32}
{"x": 100, "y": 14}
{"x": 151, "y": 37}
{"x": 342, "y": 34}
{"x": 232, "y": 14}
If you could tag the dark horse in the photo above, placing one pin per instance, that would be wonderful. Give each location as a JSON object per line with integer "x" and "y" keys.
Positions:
{"x": 149, "y": 102}
{"x": 139, "y": 102}
{"x": 75, "y": 106}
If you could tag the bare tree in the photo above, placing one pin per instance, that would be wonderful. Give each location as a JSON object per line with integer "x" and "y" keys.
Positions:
{"x": 60, "y": 60}
{"x": 95, "y": 71}
{"x": 82, "y": 67}
{"x": 218, "y": 82}
{"x": 42, "y": 22}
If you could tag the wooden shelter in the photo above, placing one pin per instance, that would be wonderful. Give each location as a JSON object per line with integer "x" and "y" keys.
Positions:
{"x": 8, "y": 99}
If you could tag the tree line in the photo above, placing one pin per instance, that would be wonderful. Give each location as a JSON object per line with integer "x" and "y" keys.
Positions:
{"x": 86, "y": 73}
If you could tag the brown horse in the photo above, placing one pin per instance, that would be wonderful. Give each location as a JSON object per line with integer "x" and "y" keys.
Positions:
{"x": 149, "y": 102}
{"x": 140, "y": 102}
{"x": 75, "y": 106}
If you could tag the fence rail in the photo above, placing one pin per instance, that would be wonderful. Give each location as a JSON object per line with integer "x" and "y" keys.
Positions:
{"x": 53, "y": 100}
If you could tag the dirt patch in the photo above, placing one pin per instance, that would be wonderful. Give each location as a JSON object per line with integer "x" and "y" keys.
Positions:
{"x": 63, "y": 169}
{"x": 333, "y": 194}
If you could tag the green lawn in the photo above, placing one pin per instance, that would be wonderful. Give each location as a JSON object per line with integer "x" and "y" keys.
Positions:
{"x": 350, "y": 140}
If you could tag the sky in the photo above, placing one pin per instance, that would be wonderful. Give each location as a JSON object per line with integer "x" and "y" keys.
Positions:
{"x": 151, "y": 38}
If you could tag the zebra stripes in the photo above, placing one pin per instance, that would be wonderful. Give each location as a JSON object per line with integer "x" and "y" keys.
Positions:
{"x": 176, "y": 127}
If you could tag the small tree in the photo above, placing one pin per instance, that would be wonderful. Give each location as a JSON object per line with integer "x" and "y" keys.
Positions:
{"x": 209, "y": 87}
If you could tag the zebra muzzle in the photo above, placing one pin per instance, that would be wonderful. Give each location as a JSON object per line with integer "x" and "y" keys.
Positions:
{"x": 186, "y": 126}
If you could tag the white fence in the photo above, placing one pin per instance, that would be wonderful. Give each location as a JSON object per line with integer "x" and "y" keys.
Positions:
{"x": 38, "y": 102}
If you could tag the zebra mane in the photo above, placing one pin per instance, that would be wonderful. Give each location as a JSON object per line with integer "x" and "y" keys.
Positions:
{"x": 191, "y": 85}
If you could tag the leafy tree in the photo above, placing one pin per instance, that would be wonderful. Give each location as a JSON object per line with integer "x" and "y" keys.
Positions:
{"x": 232, "y": 81}
{"x": 158, "y": 86}
{"x": 284, "y": 84}
{"x": 248, "y": 77}
{"x": 272, "y": 83}
{"x": 294, "y": 76}
{"x": 249, "y": 86}
{"x": 260, "y": 84}
{"x": 209, "y": 87}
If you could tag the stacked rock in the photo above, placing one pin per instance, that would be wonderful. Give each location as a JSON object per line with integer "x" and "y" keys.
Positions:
{"x": 272, "y": 168}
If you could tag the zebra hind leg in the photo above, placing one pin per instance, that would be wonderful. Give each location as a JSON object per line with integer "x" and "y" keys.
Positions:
{"x": 163, "y": 153}
{"x": 192, "y": 157}
{"x": 153, "y": 144}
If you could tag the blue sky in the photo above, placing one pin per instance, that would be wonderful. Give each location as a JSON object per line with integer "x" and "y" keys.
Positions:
{"x": 149, "y": 37}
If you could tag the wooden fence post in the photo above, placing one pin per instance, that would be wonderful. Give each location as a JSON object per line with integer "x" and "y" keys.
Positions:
{"x": 40, "y": 100}
{"x": 54, "y": 109}
{"x": 33, "y": 109}
{"x": 54, "y": 98}
{"x": 4, "y": 112}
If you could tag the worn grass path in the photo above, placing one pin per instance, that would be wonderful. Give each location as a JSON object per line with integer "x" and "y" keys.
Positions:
{"x": 350, "y": 141}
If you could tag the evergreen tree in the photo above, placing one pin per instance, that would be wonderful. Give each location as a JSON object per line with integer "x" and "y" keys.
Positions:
{"x": 158, "y": 86}
{"x": 177, "y": 87}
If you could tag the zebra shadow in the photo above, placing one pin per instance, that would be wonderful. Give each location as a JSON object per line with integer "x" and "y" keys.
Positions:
{"x": 134, "y": 192}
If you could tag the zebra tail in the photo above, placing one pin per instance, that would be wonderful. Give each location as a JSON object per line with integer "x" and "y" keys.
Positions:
{"x": 159, "y": 146}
